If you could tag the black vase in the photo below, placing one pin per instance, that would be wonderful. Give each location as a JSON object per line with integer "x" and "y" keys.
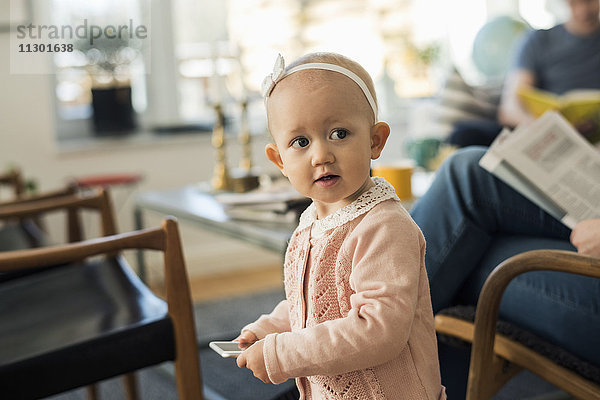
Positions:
{"x": 113, "y": 111}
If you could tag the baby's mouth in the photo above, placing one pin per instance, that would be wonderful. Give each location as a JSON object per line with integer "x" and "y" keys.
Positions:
{"x": 327, "y": 178}
{"x": 327, "y": 181}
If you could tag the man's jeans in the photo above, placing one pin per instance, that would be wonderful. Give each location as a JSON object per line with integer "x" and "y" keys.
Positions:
{"x": 471, "y": 222}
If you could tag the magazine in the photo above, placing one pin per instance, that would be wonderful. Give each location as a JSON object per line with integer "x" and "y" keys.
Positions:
{"x": 279, "y": 202}
{"x": 551, "y": 164}
{"x": 580, "y": 107}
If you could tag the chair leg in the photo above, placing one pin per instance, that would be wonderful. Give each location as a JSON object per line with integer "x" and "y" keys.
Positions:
{"x": 187, "y": 363}
{"x": 92, "y": 392}
{"x": 497, "y": 375}
{"x": 130, "y": 382}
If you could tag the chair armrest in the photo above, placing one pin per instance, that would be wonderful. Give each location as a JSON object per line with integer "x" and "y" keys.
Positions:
{"x": 493, "y": 289}
{"x": 69, "y": 190}
{"x": 71, "y": 202}
{"x": 545, "y": 260}
{"x": 36, "y": 206}
{"x": 66, "y": 253}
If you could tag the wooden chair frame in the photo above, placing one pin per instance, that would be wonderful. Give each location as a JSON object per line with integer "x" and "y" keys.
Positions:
{"x": 31, "y": 208}
{"x": 64, "y": 199}
{"x": 43, "y": 196}
{"x": 165, "y": 239}
{"x": 496, "y": 358}
{"x": 72, "y": 201}
{"x": 15, "y": 179}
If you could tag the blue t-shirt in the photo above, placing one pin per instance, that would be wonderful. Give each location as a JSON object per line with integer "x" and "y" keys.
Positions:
{"x": 560, "y": 60}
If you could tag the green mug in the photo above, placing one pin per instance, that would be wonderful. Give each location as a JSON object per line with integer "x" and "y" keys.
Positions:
{"x": 423, "y": 150}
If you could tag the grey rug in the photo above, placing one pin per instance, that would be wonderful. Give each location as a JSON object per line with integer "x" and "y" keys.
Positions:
{"x": 153, "y": 383}
{"x": 223, "y": 319}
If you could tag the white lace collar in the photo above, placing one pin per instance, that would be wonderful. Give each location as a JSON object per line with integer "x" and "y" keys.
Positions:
{"x": 380, "y": 192}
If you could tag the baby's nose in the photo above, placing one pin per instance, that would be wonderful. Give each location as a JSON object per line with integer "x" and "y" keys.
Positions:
{"x": 322, "y": 154}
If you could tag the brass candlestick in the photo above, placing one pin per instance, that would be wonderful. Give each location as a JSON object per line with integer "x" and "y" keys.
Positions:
{"x": 244, "y": 179}
{"x": 221, "y": 179}
{"x": 244, "y": 139}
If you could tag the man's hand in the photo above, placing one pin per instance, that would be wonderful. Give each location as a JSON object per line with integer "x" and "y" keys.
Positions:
{"x": 587, "y": 128}
{"x": 252, "y": 358}
{"x": 586, "y": 237}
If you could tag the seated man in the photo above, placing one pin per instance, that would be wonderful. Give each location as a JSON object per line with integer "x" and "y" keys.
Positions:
{"x": 557, "y": 60}
{"x": 471, "y": 222}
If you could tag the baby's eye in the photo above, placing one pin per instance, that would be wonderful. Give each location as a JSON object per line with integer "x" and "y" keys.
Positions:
{"x": 339, "y": 134}
{"x": 300, "y": 142}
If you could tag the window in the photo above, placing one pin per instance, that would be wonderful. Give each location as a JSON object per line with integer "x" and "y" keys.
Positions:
{"x": 205, "y": 51}
{"x": 384, "y": 36}
{"x": 108, "y": 61}
{"x": 203, "y": 56}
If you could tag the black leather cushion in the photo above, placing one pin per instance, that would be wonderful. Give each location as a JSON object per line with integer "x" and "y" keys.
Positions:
{"x": 77, "y": 324}
{"x": 25, "y": 235}
{"x": 20, "y": 236}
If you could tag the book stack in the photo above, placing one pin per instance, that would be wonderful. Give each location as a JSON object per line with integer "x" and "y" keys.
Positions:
{"x": 278, "y": 203}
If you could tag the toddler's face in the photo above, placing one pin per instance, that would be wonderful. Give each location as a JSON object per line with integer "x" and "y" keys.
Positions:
{"x": 324, "y": 138}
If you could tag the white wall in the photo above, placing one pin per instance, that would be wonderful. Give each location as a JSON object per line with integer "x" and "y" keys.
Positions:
{"x": 27, "y": 132}
{"x": 27, "y": 139}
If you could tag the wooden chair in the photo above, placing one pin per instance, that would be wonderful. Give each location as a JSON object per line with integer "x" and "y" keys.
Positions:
{"x": 495, "y": 358}
{"x": 13, "y": 179}
{"x": 86, "y": 319}
{"x": 113, "y": 282}
{"x": 22, "y": 230}
{"x": 20, "y": 223}
{"x": 28, "y": 229}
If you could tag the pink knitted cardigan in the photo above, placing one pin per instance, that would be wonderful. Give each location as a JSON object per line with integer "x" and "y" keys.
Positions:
{"x": 362, "y": 326}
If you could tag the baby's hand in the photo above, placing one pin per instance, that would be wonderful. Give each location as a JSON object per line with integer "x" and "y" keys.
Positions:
{"x": 252, "y": 358}
{"x": 246, "y": 339}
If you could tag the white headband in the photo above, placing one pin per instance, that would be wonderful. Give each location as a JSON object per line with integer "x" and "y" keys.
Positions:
{"x": 279, "y": 73}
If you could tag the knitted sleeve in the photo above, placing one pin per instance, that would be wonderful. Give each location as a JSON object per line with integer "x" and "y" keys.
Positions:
{"x": 383, "y": 255}
{"x": 275, "y": 322}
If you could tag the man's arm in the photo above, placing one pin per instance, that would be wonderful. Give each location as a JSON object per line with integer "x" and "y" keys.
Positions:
{"x": 511, "y": 111}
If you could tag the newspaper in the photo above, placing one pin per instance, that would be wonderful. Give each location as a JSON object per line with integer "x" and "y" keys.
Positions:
{"x": 551, "y": 164}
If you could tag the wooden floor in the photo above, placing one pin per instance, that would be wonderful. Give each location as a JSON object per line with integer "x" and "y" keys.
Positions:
{"x": 218, "y": 266}
{"x": 236, "y": 283}
{"x": 232, "y": 283}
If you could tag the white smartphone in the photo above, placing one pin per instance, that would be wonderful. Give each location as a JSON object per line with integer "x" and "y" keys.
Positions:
{"x": 226, "y": 349}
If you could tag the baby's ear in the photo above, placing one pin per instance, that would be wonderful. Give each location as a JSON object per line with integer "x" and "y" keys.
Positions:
{"x": 272, "y": 153}
{"x": 379, "y": 136}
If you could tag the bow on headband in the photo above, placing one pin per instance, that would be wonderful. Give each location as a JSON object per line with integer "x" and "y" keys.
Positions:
{"x": 279, "y": 73}
{"x": 270, "y": 80}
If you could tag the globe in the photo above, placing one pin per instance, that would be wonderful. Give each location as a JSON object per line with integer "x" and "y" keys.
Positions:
{"x": 495, "y": 44}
